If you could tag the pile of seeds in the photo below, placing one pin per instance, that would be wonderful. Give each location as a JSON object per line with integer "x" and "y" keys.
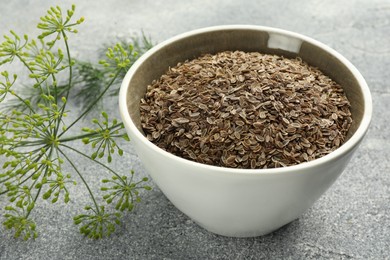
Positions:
{"x": 245, "y": 110}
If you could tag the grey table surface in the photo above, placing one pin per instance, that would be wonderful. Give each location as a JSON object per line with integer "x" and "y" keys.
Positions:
{"x": 350, "y": 221}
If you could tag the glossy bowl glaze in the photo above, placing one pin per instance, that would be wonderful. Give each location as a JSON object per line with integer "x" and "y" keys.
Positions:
{"x": 242, "y": 202}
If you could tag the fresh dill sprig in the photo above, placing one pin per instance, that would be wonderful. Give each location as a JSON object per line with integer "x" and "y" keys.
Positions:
{"x": 92, "y": 78}
{"x": 34, "y": 140}
{"x": 124, "y": 192}
{"x": 88, "y": 79}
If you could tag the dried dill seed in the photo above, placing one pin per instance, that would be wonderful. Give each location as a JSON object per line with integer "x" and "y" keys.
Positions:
{"x": 246, "y": 110}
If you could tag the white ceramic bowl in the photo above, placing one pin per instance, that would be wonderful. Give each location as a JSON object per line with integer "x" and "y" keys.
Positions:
{"x": 242, "y": 202}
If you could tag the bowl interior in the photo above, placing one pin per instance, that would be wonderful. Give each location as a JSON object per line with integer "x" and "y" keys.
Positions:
{"x": 272, "y": 42}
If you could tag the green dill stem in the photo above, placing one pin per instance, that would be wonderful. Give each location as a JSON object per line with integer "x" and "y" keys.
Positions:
{"x": 36, "y": 196}
{"x": 53, "y": 78}
{"x": 101, "y": 164}
{"x": 32, "y": 185}
{"x": 40, "y": 141}
{"x": 35, "y": 161}
{"x": 78, "y": 137}
{"x": 24, "y": 102}
{"x": 31, "y": 143}
{"x": 40, "y": 188}
{"x": 40, "y": 128}
{"x": 13, "y": 120}
{"x": 69, "y": 82}
{"x": 29, "y": 68}
{"x": 82, "y": 179}
{"x": 93, "y": 104}
{"x": 4, "y": 192}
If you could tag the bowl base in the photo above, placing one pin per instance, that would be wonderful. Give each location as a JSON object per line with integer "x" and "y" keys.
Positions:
{"x": 242, "y": 234}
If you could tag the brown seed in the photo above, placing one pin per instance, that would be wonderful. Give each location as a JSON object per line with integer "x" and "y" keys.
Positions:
{"x": 224, "y": 115}
{"x": 262, "y": 115}
{"x": 253, "y": 163}
{"x": 279, "y": 144}
{"x": 191, "y": 154}
{"x": 189, "y": 135}
{"x": 290, "y": 129}
{"x": 240, "y": 123}
{"x": 257, "y": 124}
{"x": 225, "y": 109}
{"x": 195, "y": 114}
{"x": 181, "y": 120}
{"x": 336, "y": 142}
{"x": 202, "y": 106}
{"x": 256, "y": 148}
{"x": 230, "y": 159}
{"x": 205, "y": 149}
{"x": 210, "y": 120}
{"x": 334, "y": 116}
{"x": 156, "y": 135}
{"x": 295, "y": 125}
{"x": 259, "y": 138}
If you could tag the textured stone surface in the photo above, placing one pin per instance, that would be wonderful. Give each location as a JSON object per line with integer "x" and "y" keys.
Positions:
{"x": 352, "y": 220}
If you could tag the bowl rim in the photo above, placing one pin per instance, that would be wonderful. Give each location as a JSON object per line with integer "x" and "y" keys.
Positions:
{"x": 345, "y": 148}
